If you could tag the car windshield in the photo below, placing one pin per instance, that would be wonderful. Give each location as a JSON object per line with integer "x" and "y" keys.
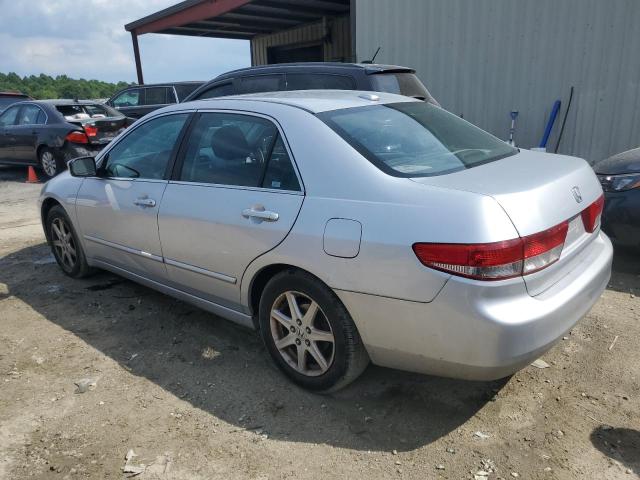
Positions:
{"x": 402, "y": 83}
{"x": 81, "y": 111}
{"x": 415, "y": 139}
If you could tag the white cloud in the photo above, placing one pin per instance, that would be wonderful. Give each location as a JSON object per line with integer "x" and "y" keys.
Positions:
{"x": 87, "y": 39}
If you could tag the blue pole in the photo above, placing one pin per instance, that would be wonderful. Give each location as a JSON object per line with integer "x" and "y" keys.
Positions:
{"x": 552, "y": 119}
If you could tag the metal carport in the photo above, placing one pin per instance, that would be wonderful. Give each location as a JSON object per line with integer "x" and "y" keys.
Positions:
{"x": 242, "y": 19}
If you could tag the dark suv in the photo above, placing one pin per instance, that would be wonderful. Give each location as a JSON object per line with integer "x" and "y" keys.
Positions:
{"x": 322, "y": 75}
{"x": 138, "y": 100}
{"x": 9, "y": 98}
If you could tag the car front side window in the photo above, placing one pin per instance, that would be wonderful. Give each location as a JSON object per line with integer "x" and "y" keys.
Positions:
{"x": 145, "y": 152}
{"x": 129, "y": 98}
{"x": 8, "y": 117}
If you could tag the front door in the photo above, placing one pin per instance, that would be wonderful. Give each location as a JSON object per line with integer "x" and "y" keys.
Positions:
{"x": 235, "y": 195}
{"x": 30, "y": 119}
{"x": 118, "y": 211}
{"x": 7, "y": 130}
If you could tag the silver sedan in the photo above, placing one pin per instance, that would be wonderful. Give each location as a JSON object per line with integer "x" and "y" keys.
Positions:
{"x": 346, "y": 227}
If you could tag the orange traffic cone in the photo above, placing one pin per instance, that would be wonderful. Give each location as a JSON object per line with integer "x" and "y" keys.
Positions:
{"x": 31, "y": 176}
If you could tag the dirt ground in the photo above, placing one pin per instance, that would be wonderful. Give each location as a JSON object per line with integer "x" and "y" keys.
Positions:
{"x": 196, "y": 397}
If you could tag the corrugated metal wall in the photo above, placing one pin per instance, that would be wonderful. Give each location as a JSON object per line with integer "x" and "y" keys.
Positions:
{"x": 336, "y": 50}
{"x": 484, "y": 58}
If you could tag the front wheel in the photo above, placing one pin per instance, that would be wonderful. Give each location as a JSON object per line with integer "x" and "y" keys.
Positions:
{"x": 309, "y": 333}
{"x": 65, "y": 246}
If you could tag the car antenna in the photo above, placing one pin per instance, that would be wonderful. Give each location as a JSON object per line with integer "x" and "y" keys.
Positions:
{"x": 372, "y": 58}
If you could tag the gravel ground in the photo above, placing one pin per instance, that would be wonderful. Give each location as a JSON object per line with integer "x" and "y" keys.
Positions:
{"x": 196, "y": 397}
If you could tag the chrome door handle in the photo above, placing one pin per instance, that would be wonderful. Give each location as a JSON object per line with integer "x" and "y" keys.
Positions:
{"x": 260, "y": 214}
{"x": 145, "y": 202}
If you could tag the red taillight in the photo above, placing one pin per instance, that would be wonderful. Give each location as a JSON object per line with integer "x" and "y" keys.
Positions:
{"x": 90, "y": 130}
{"x": 496, "y": 261}
{"x": 591, "y": 215}
{"x": 77, "y": 137}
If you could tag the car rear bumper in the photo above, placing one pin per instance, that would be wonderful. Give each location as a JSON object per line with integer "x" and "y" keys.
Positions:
{"x": 479, "y": 331}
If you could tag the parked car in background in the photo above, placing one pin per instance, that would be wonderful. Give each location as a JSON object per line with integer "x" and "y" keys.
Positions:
{"x": 620, "y": 179}
{"x": 312, "y": 76}
{"x": 48, "y": 133}
{"x": 138, "y": 100}
{"x": 345, "y": 226}
{"x": 9, "y": 98}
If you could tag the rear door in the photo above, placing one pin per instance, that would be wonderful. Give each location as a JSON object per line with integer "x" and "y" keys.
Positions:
{"x": 7, "y": 139}
{"x": 155, "y": 98}
{"x": 118, "y": 211}
{"x": 234, "y": 195}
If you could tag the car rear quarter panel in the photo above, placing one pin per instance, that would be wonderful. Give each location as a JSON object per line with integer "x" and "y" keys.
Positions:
{"x": 394, "y": 214}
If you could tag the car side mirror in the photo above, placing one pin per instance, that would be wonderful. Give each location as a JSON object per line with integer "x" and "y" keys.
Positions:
{"x": 83, "y": 167}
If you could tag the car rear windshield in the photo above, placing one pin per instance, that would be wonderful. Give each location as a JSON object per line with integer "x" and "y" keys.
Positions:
{"x": 6, "y": 101}
{"x": 415, "y": 139}
{"x": 402, "y": 83}
{"x": 86, "y": 111}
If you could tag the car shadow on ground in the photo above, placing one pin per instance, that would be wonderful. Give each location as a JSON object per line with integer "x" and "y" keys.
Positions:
{"x": 224, "y": 369}
{"x": 621, "y": 444}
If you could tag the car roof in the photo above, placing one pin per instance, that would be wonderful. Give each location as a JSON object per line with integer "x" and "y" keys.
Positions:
{"x": 164, "y": 84}
{"x": 313, "y": 101}
{"x": 368, "y": 68}
{"x": 14, "y": 94}
{"x": 66, "y": 101}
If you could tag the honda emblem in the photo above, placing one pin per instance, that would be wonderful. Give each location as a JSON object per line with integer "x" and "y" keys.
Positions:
{"x": 576, "y": 194}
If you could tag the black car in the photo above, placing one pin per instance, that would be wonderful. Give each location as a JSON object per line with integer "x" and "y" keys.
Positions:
{"x": 620, "y": 179}
{"x": 316, "y": 75}
{"x": 9, "y": 98}
{"x": 138, "y": 100}
{"x": 48, "y": 133}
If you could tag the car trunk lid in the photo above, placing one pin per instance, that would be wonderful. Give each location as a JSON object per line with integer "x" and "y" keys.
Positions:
{"x": 537, "y": 191}
{"x": 101, "y": 131}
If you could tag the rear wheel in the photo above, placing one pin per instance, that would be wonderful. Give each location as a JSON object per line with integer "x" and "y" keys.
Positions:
{"x": 49, "y": 164}
{"x": 309, "y": 333}
{"x": 65, "y": 246}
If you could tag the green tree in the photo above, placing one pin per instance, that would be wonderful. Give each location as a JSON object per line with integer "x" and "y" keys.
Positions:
{"x": 44, "y": 86}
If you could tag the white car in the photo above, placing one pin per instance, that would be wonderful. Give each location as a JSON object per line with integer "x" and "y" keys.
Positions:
{"x": 347, "y": 227}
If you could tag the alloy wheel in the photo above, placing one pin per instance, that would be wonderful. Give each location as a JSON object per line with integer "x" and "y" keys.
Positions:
{"x": 48, "y": 163}
{"x": 63, "y": 243}
{"x": 302, "y": 334}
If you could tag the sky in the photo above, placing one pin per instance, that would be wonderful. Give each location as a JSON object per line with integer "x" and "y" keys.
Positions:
{"x": 87, "y": 39}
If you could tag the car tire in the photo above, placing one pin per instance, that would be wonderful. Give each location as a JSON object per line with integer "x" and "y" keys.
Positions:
{"x": 65, "y": 245}
{"x": 49, "y": 163}
{"x": 318, "y": 347}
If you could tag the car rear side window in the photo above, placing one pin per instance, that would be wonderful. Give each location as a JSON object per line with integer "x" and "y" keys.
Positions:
{"x": 29, "y": 115}
{"x": 260, "y": 83}
{"x": 415, "y": 139}
{"x": 156, "y": 96}
{"x": 145, "y": 151}
{"x": 321, "y": 81}
{"x": 217, "y": 91}
{"x": 185, "y": 90}
{"x": 280, "y": 174}
{"x": 233, "y": 149}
